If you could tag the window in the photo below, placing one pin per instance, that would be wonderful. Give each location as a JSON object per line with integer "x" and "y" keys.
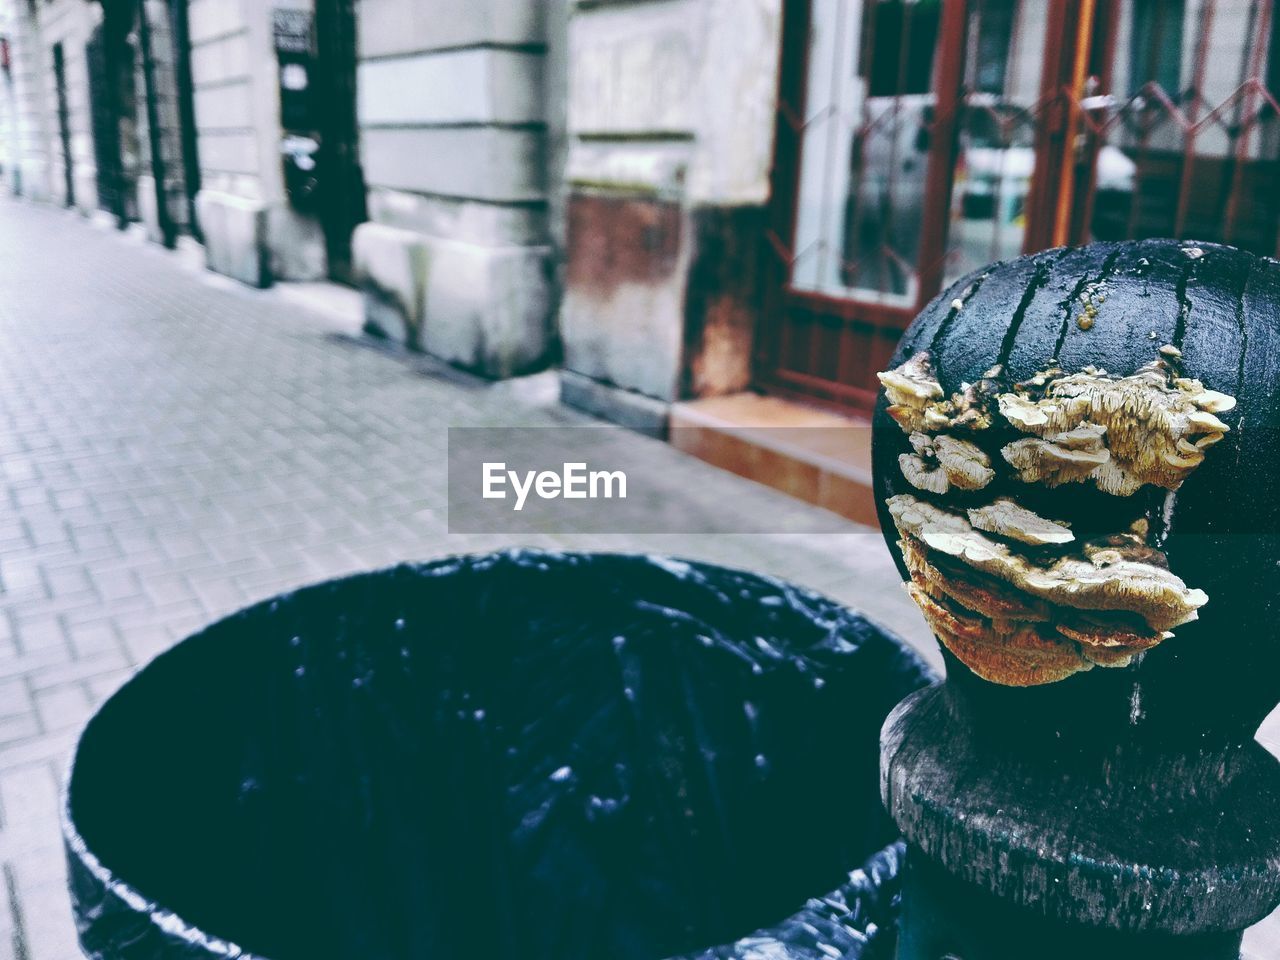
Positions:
{"x": 1155, "y": 45}
{"x": 904, "y": 35}
{"x": 995, "y": 33}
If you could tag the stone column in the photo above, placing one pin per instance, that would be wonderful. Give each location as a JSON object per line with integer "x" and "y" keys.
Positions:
{"x": 33, "y": 166}
{"x": 456, "y": 257}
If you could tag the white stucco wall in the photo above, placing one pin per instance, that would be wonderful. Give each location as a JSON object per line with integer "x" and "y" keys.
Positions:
{"x": 675, "y": 95}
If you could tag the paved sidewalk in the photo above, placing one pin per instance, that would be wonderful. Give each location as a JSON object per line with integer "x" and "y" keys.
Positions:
{"x": 174, "y": 446}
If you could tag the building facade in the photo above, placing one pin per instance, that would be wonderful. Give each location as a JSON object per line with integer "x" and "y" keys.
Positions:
{"x": 667, "y": 199}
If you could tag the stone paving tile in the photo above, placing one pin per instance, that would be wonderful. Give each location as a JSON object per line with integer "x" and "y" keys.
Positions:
{"x": 173, "y": 446}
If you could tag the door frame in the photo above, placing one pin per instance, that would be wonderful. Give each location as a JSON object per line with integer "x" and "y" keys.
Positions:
{"x": 781, "y": 298}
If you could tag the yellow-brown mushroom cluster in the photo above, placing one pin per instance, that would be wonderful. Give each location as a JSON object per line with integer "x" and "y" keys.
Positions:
{"x": 1151, "y": 427}
{"x": 1013, "y": 594}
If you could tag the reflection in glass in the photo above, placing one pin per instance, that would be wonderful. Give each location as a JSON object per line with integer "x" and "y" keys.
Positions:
{"x": 865, "y": 152}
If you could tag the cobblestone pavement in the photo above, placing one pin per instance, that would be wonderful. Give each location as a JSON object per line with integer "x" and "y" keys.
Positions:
{"x": 174, "y": 446}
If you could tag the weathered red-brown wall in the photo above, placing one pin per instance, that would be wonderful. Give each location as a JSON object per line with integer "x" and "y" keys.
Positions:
{"x": 661, "y": 299}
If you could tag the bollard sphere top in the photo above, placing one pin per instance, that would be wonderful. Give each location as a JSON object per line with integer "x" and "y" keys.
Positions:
{"x": 1075, "y": 462}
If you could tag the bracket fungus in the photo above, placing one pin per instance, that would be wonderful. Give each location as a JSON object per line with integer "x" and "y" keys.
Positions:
{"x": 1086, "y": 779}
{"x": 1151, "y": 427}
{"x": 918, "y": 405}
{"x": 1006, "y": 518}
{"x": 1017, "y": 417}
{"x": 942, "y": 462}
{"x": 1020, "y": 618}
{"x": 989, "y": 580}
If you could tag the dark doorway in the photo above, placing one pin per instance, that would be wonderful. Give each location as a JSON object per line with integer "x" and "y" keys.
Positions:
{"x": 181, "y": 32}
{"x": 106, "y": 132}
{"x": 112, "y": 105}
{"x": 64, "y": 121}
{"x": 341, "y": 197}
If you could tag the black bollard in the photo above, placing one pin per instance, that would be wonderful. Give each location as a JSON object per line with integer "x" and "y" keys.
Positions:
{"x": 1075, "y": 458}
